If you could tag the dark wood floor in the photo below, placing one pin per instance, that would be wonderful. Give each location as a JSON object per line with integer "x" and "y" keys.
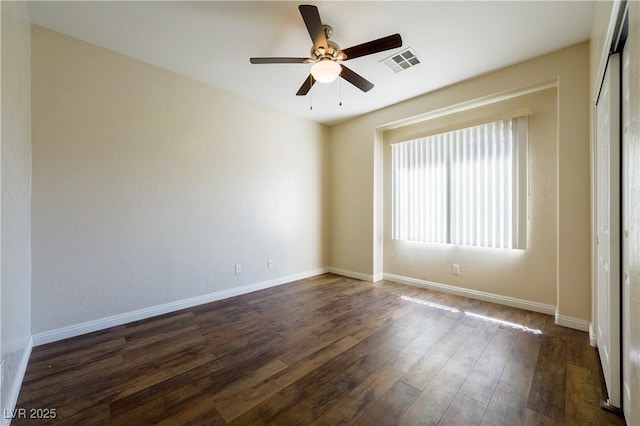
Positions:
{"x": 327, "y": 350}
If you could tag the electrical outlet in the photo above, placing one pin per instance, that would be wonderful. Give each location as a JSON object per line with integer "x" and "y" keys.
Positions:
{"x": 238, "y": 268}
{"x": 456, "y": 269}
{"x": 270, "y": 263}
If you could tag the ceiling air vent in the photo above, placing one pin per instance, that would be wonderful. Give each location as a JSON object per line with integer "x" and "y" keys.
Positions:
{"x": 401, "y": 61}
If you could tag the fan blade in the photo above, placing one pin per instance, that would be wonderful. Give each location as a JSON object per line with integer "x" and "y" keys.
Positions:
{"x": 306, "y": 86}
{"x": 277, "y": 60}
{"x": 356, "y": 79}
{"x": 311, "y": 18}
{"x": 375, "y": 46}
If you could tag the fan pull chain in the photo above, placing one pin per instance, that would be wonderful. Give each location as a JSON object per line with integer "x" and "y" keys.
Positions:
{"x": 340, "y": 104}
{"x": 310, "y": 93}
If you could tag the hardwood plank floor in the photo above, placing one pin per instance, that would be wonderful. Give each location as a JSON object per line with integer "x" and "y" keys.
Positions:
{"x": 326, "y": 350}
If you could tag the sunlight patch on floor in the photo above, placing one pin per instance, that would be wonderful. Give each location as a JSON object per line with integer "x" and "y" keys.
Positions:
{"x": 506, "y": 323}
{"x": 430, "y": 304}
{"x": 473, "y": 315}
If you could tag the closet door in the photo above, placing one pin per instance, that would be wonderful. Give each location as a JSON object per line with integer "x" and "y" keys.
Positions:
{"x": 608, "y": 228}
{"x": 626, "y": 230}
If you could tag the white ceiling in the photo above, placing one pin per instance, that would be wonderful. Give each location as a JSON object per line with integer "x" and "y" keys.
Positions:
{"x": 212, "y": 42}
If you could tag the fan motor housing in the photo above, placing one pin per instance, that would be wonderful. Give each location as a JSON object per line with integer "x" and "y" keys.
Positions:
{"x": 333, "y": 51}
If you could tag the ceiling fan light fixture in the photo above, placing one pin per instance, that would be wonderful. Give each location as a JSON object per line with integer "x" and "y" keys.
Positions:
{"x": 325, "y": 71}
{"x": 325, "y": 54}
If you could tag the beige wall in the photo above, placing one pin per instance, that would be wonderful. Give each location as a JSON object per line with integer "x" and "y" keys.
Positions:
{"x": 524, "y": 274}
{"x": 15, "y": 180}
{"x": 601, "y": 38}
{"x": 149, "y": 187}
{"x": 355, "y": 163}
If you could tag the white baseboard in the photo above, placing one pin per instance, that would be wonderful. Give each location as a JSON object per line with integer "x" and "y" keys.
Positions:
{"x": 353, "y": 274}
{"x": 127, "y": 317}
{"x": 475, "y": 294}
{"x": 592, "y": 336}
{"x": 571, "y": 322}
{"x": 14, "y": 392}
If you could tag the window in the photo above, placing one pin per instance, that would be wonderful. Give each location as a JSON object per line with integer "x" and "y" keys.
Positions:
{"x": 465, "y": 187}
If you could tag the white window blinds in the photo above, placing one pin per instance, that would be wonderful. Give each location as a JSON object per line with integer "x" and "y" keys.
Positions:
{"x": 465, "y": 187}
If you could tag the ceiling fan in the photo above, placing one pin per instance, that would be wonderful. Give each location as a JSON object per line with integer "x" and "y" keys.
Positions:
{"x": 326, "y": 55}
